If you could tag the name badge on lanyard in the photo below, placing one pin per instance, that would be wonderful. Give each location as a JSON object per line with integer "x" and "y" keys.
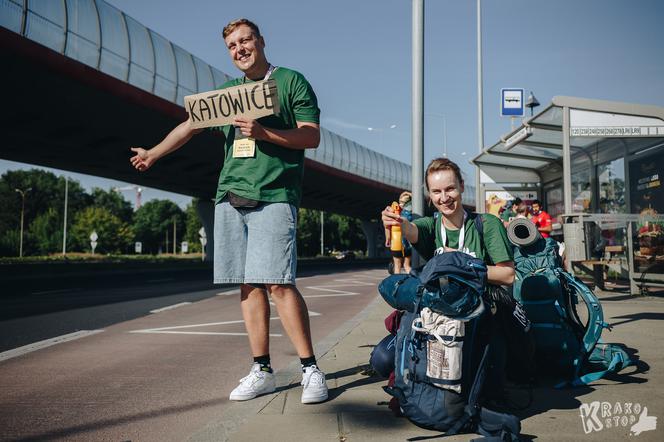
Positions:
{"x": 244, "y": 146}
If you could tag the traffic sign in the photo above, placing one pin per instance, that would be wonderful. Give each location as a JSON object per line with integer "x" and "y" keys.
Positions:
{"x": 511, "y": 102}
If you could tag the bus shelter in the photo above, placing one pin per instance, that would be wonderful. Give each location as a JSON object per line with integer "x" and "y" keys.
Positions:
{"x": 598, "y": 168}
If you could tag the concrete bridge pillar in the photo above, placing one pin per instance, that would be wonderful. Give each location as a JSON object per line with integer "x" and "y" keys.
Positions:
{"x": 375, "y": 235}
{"x": 205, "y": 209}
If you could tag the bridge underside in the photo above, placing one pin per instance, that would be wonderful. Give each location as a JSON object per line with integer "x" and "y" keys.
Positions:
{"x": 63, "y": 114}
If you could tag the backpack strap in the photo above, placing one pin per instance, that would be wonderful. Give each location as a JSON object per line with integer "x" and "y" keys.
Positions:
{"x": 479, "y": 227}
{"x": 592, "y": 334}
{"x": 472, "y": 408}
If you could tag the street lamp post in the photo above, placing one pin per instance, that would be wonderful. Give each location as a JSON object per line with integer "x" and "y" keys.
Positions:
{"x": 532, "y": 102}
{"x": 442, "y": 116}
{"x": 381, "y": 131}
{"x": 64, "y": 224}
{"x": 22, "y": 192}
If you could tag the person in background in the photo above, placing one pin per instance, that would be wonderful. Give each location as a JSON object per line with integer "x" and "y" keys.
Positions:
{"x": 521, "y": 211}
{"x": 401, "y": 258}
{"x": 510, "y": 211}
{"x": 541, "y": 219}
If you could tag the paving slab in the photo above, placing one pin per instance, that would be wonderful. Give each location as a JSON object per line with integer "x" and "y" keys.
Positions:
{"x": 357, "y": 404}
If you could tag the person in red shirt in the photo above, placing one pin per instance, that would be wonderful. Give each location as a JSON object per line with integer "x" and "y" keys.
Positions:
{"x": 541, "y": 219}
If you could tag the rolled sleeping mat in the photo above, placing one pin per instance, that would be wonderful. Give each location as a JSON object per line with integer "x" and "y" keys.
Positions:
{"x": 522, "y": 232}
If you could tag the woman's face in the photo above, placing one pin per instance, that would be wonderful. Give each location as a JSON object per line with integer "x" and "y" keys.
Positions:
{"x": 445, "y": 192}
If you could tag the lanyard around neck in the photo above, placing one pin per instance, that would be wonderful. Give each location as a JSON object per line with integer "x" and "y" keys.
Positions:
{"x": 462, "y": 232}
{"x": 270, "y": 69}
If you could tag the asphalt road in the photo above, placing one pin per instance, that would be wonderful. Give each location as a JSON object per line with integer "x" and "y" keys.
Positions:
{"x": 34, "y": 309}
{"x": 159, "y": 376}
{"x": 39, "y": 312}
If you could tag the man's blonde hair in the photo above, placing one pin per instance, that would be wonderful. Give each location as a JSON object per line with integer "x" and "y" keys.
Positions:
{"x": 232, "y": 26}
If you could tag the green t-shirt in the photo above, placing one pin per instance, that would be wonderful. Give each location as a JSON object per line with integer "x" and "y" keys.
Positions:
{"x": 494, "y": 249}
{"x": 507, "y": 215}
{"x": 275, "y": 173}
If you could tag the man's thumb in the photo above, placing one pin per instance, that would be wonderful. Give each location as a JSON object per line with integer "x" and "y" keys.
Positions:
{"x": 644, "y": 413}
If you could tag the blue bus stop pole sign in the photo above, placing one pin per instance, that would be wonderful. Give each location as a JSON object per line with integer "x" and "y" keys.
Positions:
{"x": 511, "y": 102}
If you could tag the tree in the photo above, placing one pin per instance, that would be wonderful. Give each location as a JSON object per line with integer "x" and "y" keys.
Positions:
{"x": 349, "y": 233}
{"x": 308, "y": 232}
{"x": 153, "y": 225}
{"x": 114, "y": 235}
{"x": 114, "y": 203}
{"x": 45, "y": 233}
{"x": 340, "y": 232}
{"x": 47, "y": 192}
{"x": 193, "y": 225}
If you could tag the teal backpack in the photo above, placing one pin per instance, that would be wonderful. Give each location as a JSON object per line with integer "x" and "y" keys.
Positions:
{"x": 565, "y": 346}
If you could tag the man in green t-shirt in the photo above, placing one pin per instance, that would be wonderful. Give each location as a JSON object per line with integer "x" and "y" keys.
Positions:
{"x": 258, "y": 193}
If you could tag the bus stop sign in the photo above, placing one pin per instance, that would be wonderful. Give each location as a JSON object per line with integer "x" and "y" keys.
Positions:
{"x": 511, "y": 102}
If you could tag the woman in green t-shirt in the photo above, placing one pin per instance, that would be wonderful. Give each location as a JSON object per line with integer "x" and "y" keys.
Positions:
{"x": 453, "y": 228}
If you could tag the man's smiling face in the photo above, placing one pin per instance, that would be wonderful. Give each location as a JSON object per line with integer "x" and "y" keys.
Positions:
{"x": 246, "y": 50}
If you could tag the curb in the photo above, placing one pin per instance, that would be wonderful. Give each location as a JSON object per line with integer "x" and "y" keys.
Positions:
{"x": 240, "y": 413}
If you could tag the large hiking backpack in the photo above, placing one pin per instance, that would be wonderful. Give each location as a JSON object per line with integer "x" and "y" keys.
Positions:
{"x": 451, "y": 284}
{"x": 565, "y": 346}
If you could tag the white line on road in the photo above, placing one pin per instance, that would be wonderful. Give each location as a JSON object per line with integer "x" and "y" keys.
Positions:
{"x": 329, "y": 296}
{"x": 311, "y": 312}
{"x": 229, "y": 293}
{"x": 169, "y": 307}
{"x": 180, "y": 327}
{"x": 326, "y": 289}
{"x": 46, "y": 343}
{"x": 54, "y": 291}
{"x": 347, "y": 282}
{"x": 276, "y": 335}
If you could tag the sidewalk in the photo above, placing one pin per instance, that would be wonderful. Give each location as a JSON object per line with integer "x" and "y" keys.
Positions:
{"x": 357, "y": 407}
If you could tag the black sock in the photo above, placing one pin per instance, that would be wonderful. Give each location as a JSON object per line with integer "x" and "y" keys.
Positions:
{"x": 308, "y": 362}
{"x": 264, "y": 362}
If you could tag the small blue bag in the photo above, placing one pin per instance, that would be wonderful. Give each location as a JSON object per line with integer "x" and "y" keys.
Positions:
{"x": 451, "y": 283}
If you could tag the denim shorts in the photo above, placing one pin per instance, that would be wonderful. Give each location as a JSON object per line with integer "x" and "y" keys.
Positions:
{"x": 255, "y": 245}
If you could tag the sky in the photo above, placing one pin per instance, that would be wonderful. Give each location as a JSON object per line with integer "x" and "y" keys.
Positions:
{"x": 357, "y": 56}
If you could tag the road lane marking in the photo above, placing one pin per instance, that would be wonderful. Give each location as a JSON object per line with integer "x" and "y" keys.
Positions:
{"x": 229, "y": 293}
{"x": 46, "y": 343}
{"x": 209, "y": 324}
{"x": 276, "y": 335}
{"x": 55, "y": 291}
{"x": 169, "y": 307}
{"x": 326, "y": 288}
{"x": 311, "y": 312}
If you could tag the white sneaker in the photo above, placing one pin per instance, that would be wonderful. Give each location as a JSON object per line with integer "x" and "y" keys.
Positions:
{"x": 257, "y": 382}
{"x": 314, "y": 385}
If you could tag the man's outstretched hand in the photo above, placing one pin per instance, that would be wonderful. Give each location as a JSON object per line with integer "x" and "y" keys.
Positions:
{"x": 142, "y": 160}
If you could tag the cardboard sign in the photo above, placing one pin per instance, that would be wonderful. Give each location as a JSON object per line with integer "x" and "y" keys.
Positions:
{"x": 221, "y": 107}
